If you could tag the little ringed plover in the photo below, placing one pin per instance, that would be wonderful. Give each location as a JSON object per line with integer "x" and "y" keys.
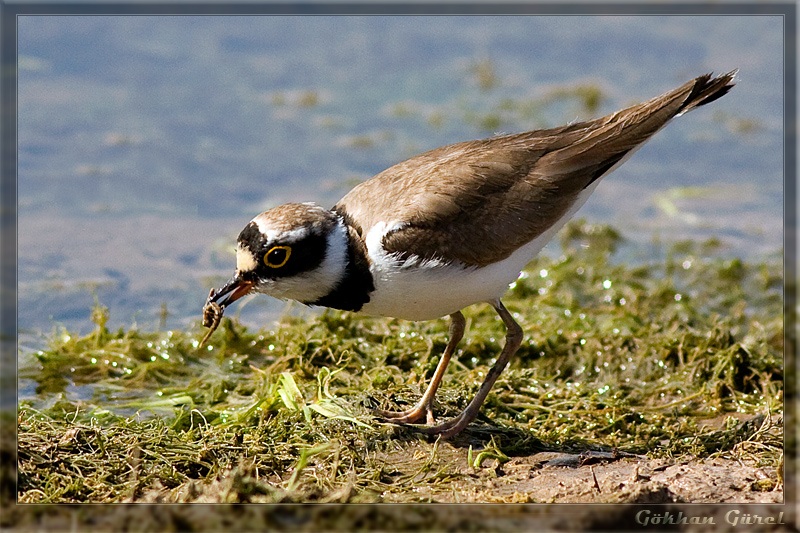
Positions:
{"x": 446, "y": 229}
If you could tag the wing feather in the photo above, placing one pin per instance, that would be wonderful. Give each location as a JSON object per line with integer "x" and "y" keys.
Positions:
{"x": 478, "y": 201}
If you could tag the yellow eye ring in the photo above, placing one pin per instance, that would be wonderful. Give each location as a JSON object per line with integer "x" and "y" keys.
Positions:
{"x": 277, "y": 256}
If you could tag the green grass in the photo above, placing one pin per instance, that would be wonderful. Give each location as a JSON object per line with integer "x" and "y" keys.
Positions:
{"x": 664, "y": 359}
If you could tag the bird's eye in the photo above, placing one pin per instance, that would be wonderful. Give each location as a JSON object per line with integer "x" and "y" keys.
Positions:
{"x": 277, "y": 256}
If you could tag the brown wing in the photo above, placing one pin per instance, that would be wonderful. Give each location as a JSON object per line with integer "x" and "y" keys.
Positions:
{"x": 478, "y": 201}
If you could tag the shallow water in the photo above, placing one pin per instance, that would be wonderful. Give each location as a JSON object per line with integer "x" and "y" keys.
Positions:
{"x": 146, "y": 143}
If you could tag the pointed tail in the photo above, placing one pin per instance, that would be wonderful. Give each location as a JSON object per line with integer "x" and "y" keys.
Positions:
{"x": 707, "y": 89}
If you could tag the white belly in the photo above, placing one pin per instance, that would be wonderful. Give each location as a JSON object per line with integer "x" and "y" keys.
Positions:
{"x": 432, "y": 289}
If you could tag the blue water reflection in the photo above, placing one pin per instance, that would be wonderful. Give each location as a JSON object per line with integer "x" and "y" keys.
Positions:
{"x": 146, "y": 143}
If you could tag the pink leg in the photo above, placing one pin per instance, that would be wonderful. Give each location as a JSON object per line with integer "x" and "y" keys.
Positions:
{"x": 455, "y": 425}
{"x": 424, "y": 408}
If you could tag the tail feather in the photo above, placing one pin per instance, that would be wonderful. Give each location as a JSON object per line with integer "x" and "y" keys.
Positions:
{"x": 609, "y": 141}
{"x": 707, "y": 89}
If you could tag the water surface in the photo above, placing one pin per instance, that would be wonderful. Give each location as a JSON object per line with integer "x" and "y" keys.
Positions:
{"x": 147, "y": 143}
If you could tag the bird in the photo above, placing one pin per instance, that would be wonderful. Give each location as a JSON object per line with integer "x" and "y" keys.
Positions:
{"x": 446, "y": 229}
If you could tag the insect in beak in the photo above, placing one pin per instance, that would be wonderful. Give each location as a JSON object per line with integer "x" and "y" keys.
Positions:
{"x": 217, "y": 300}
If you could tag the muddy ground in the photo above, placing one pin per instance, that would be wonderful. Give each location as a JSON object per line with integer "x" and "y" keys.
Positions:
{"x": 550, "y": 477}
{"x": 546, "y": 477}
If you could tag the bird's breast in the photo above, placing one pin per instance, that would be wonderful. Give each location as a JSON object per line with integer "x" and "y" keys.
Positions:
{"x": 413, "y": 288}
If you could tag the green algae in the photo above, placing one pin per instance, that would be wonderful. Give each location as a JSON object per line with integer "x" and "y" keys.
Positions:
{"x": 682, "y": 356}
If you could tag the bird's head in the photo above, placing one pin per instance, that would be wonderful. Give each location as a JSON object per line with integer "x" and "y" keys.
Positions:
{"x": 293, "y": 251}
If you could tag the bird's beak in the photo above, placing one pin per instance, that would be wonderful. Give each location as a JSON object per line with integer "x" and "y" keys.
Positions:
{"x": 231, "y": 291}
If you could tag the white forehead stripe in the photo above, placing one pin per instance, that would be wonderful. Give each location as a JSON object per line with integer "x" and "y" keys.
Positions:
{"x": 245, "y": 261}
{"x": 272, "y": 233}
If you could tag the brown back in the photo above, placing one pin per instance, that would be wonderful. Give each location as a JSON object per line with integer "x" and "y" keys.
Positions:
{"x": 478, "y": 201}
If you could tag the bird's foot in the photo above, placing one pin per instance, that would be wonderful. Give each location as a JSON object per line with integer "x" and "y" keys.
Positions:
{"x": 409, "y": 416}
{"x": 448, "y": 428}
